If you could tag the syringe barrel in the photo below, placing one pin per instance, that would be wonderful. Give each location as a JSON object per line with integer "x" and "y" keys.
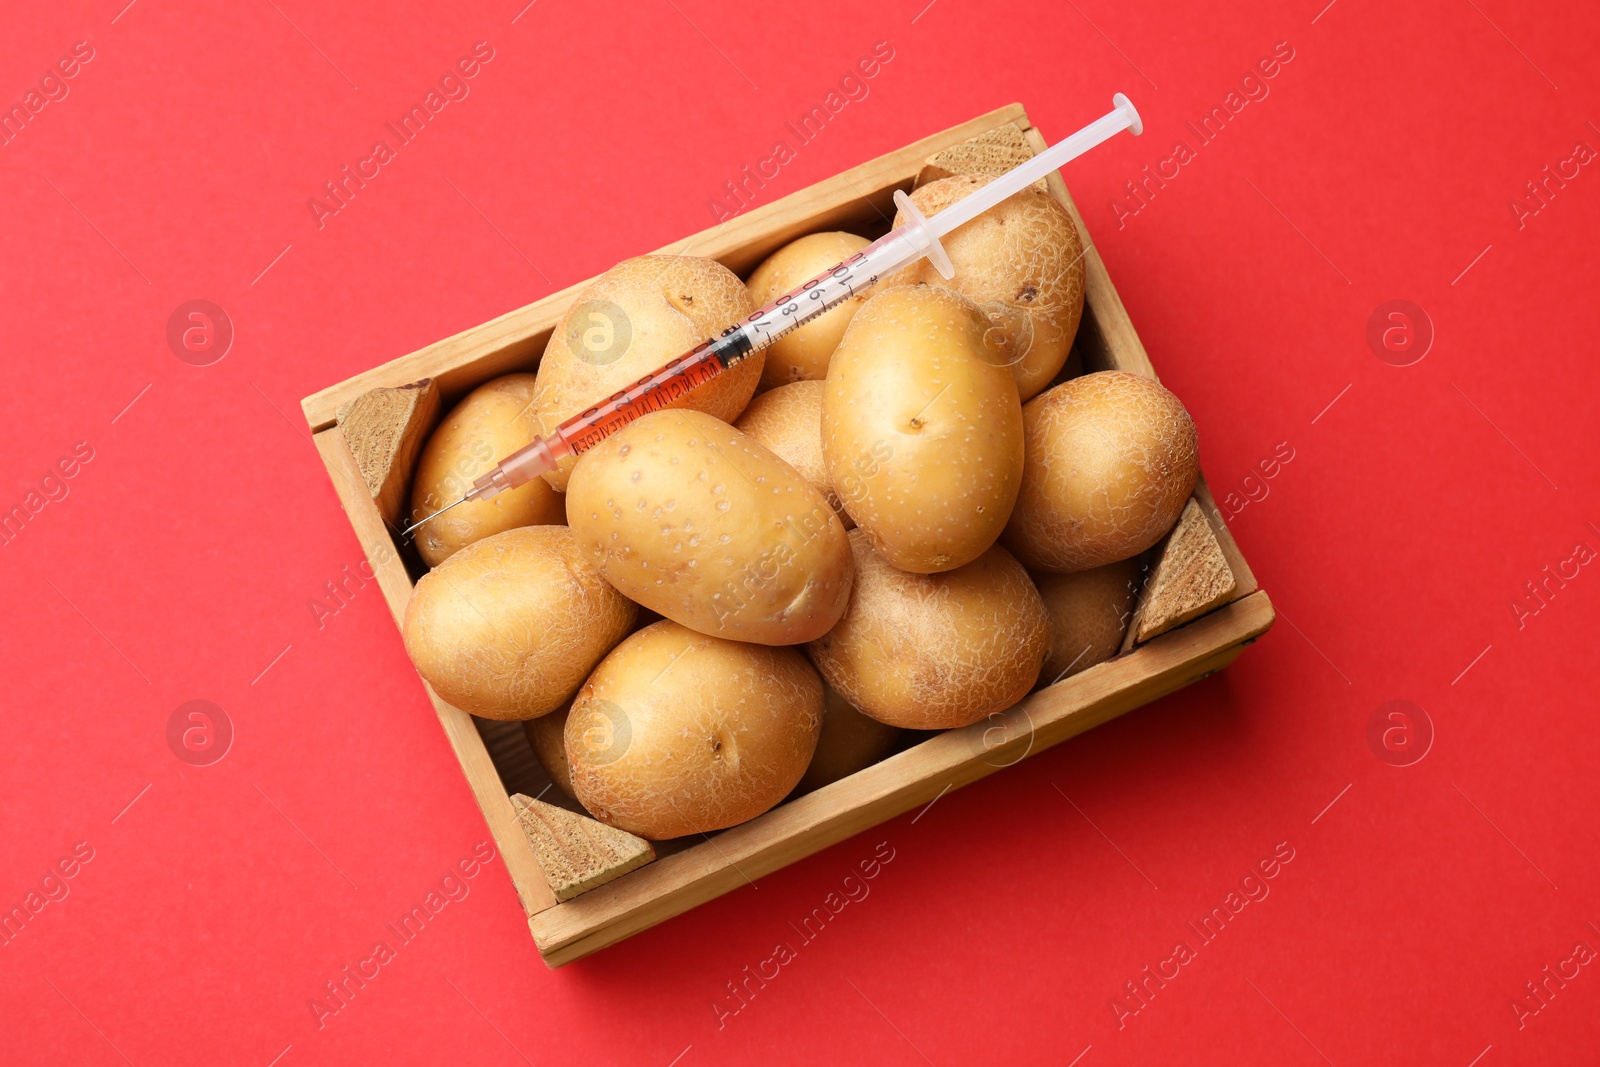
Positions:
{"x": 704, "y": 362}
{"x": 877, "y": 261}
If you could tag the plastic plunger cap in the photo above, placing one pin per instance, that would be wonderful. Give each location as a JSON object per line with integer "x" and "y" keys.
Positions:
{"x": 1135, "y": 123}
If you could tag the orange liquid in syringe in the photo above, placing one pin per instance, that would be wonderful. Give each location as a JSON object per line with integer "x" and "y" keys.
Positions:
{"x": 651, "y": 393}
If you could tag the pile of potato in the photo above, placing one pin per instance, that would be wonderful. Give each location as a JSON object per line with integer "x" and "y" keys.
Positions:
{"x": 904, "y": 530}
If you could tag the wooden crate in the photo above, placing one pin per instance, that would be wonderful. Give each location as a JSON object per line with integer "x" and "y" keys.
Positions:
{"x": 858, "y": 200}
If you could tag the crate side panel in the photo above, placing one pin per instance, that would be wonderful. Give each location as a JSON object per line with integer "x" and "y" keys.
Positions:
{"x": 373, "y": 534}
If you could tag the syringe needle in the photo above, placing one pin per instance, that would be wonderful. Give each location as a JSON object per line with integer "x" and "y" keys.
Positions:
{"x": 519, "y": 468}
{"x": 430, "y": 518}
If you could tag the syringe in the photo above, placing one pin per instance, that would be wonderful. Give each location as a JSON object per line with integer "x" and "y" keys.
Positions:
{"x": 900, "y": 247}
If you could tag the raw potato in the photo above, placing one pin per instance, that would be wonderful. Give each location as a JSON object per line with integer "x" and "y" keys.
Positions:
{"x": 634, "y": 318}
{"x": 921, "y": 433}
{"x": 678, "y": 733}
{"x": 788, "y": 420}
{"x": 547, "y": 738}
{"x": 1022, "y": 262}
{"x": 850, "y": 742}
{"x": 1089, "y": 615}
{"x": 935, "y": 651}
{"x": 803, "y": 354}
{"x": 1112, "y": 459}
{"x": 490, "y": 423}
{"x": 695, "y": 520}
{"x": 508, "y": 627}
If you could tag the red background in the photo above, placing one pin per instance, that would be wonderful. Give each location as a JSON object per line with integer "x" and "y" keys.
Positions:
{"x": 1413, "y": 512}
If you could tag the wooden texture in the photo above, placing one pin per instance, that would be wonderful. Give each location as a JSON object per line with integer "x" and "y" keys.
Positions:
{"x": 859, "y": 199}
{"x": 1242, "y": 574}
{"x": 1244, "y": 579}
{"x": 385, "y": 429}
{"x": 1191, "y": 577}
{"x": 991, "y": 153}
{"x": 578, "y": 853}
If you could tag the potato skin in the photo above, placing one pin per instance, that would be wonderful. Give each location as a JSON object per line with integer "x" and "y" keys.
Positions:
{"x": 935, "y": 651}
{"x": 547, "y": 738}
{"x": 1022, "y": 260}
{"x": 1112, "y": 459}
{"x": 788, "y": 420}
{"x": 850, "y": 742}
{"x": 508, "y": 627}
{"x": 1089, "y": 615}
{"x": 921, "y": 434}
{"x": 489, "y": 423}
{"x": 803, "y": 355}
{"x": 670, "y": 304}
{"x": 695, "y": 520}
{"x": 679, "y": 733}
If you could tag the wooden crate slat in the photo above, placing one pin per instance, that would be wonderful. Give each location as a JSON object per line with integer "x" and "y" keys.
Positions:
{"x": 374, "y": 535}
